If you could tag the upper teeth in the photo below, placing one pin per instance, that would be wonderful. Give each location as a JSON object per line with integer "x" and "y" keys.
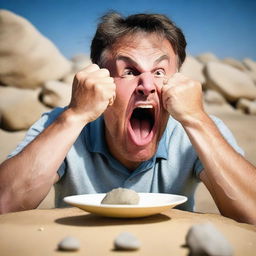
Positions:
{"x": 145, "y": 106}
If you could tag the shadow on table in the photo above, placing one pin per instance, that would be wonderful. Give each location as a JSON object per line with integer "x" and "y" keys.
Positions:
{"x": 95, "y": 220}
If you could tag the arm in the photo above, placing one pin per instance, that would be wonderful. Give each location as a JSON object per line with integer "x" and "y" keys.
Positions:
{"x": 26, "y": 178}
{"x": 229, "y": 177}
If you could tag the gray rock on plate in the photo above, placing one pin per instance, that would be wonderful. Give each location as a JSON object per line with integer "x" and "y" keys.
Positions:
{"x": 121, "y": 196}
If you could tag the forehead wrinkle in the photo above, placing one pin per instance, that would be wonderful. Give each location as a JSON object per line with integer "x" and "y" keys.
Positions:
{"x": 134, "y": 63}
{"x": 126, "y": 59}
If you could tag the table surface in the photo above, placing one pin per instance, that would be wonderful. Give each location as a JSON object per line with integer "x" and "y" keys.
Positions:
{"x": 37, "y": 232}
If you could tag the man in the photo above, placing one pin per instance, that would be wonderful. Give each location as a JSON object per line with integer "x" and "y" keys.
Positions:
{"x": 133, "y": 121}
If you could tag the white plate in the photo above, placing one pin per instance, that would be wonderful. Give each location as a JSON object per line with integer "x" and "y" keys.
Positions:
{"x": 150, "y": 203}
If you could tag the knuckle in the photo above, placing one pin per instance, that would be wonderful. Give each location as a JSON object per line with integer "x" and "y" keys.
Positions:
{"x": 194, "y": 83}
{"x": 182, "y": 76}
{"x": 79, "y": 75}
{"x": 91, "y": 68}
{"x": 178, "y": 75}
{"x": 97, "y": 87}
{"x": 111, "y": 80}
{"x": 89, "y": 81}
{"x": 93, "y": 65}
{"x": 105, "y": 71}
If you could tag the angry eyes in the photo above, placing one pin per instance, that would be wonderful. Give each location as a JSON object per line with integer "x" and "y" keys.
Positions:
{"x": 129, "y": 73}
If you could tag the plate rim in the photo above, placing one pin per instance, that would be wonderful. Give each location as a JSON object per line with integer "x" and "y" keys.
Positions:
{"x": 183, "y": 199}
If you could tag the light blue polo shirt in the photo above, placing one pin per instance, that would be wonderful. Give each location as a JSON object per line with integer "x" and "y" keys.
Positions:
{"x": 90, "y": 168}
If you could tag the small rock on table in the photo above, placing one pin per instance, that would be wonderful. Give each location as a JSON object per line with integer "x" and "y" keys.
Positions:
{"x": 126, "y": 241}
{"x": 69, "y": 243}
{"x": 205, "y": 239}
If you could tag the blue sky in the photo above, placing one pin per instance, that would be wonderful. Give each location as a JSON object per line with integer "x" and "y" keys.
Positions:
{"x": 225, "y": 28}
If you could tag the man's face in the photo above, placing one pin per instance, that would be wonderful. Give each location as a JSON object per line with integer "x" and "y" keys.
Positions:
{"x": 136, "y": 121}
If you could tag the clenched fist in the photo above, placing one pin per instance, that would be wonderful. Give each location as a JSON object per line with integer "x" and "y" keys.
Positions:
{"x": 93, "y": 90}
{"x": 182, "y": 98}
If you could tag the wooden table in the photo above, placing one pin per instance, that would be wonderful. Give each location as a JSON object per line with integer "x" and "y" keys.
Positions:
{"x": 37, "y": 232}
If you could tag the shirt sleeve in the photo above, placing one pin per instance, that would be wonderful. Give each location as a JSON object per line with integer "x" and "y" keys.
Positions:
{"x": 45, "y": 120}
{"x": 227, "y": 134}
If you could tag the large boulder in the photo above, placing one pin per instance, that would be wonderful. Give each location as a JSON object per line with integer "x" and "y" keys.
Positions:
{"x": 234, "y": 63}
{"x": 19, "y": 108}
{"x": 252, "y": 75}
{"x": 251, "y": 68}
{"x": 193, "y": 69}
{"x": 27, "y": 58}
{"x": 230, "y": 82}
{"x": 219, "y": 109}
{"x": 250, "y": 64}
{"x": 247, "y": 106}
{"x": 56, "y": 94}
{"x": 214, "y": 97}
{"x": 207, "y": 57}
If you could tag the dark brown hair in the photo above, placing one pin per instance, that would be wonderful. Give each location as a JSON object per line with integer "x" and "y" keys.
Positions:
{"x": 113, "y": 26}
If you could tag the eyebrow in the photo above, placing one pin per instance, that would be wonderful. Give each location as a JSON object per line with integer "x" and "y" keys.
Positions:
{"x": 133, "y": 62}
{"x": 163, "y": 57}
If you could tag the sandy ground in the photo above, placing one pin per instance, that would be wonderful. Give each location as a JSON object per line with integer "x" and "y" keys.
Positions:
{"x": 242, "y": 126}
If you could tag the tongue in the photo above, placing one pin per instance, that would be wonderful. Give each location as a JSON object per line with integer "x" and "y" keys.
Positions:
{"x": 141, "y": 127}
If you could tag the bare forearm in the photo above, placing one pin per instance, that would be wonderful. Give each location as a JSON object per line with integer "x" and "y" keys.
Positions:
{"x": 26, "y": 178}
{"x": 227, "y": 175}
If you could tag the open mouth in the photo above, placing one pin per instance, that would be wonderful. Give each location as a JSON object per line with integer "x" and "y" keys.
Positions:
{"x": 142, "y": 122}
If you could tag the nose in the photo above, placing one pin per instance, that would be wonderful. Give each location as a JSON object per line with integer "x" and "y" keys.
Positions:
{"x": 146, "y": 85}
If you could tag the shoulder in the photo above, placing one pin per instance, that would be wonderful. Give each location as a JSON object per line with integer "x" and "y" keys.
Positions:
{"x": 177, "y": 135}
{"x": 45, "y": 120}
